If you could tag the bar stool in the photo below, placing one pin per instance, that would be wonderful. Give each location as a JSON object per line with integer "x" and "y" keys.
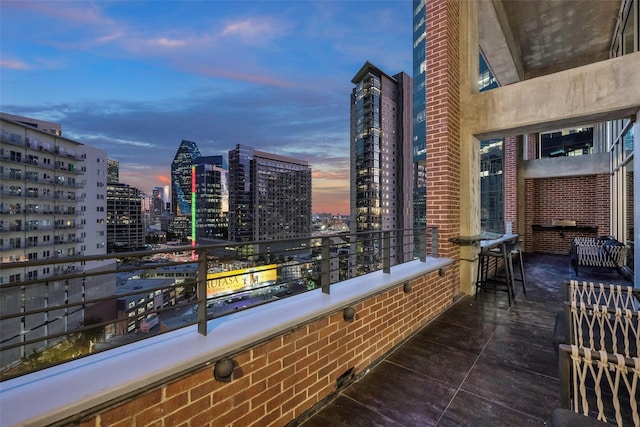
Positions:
{"x": 496, "y": 282}
{"x": 516, "y": 251}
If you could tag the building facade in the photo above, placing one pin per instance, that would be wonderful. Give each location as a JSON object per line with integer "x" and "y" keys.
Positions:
{"x": 419, "y": 114}
{"x": 181, "y": 174}
{"x": 113, "y": 170}
{"x": 52, "y": 205}
{"x": 159, "y": 205}
{"x": 211, "y": 199}
{"x": 125, "y": 225}
{"x": 382, "y": 169}
{"x": 269, "y": 196}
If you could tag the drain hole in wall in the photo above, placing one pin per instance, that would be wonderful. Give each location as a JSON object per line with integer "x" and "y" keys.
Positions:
{"x": 344, "y": 379}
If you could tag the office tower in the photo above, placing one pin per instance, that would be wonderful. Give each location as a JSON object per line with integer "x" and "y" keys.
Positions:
{"x": 145, "y": 206}
{"x": 269, "y": 196}
{"x": 419, "y": 114}
{"x": 181, "y": 188}
{"x": 158, "y": 203}
{"x": 381, "y": 162}
{"x": 125, "y": 228}
{"x": 210, "y": 204}
{"x": 113, "y": 170}
{"x": 52, "y": 205}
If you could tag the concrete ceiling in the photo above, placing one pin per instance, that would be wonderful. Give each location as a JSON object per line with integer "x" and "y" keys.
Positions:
{"x": 523, "y": 39}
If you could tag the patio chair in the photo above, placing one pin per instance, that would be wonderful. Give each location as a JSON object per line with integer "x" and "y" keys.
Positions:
{"x": 614, "y": 330}
{"x": 596, "y": 294}
{"x": 603, "y": 294}
{"x": 598, "y": 252}
{"x": 599, "y": 385}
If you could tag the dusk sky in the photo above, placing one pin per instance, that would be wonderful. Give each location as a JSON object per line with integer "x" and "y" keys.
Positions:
{"x": 135, "y": 78}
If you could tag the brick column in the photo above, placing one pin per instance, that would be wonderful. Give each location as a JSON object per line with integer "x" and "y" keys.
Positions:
{"x": 510, "y": 177}
{"x": 443, "y": 121}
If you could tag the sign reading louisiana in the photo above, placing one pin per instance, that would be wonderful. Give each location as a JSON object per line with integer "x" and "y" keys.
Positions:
{"x": 246, "y": 278}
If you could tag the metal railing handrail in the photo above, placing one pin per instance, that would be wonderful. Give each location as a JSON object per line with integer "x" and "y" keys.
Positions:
{"x": 326, "y": 248}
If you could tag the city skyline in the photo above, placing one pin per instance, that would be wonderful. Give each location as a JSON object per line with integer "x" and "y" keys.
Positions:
{"x": 136, "y": 78}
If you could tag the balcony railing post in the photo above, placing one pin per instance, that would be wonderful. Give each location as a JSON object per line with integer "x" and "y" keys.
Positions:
{"x": 386, "y": 251}
{"x": 434, "y": 242}
{"x": 421, "y": 234}
{"x": 201, "y": 291}
{"x": 325, "y": 266}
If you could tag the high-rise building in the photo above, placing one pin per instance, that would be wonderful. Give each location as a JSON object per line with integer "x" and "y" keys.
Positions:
{"x": 113, "y": 170}
{"x": 419, "y": 114}
{"x": 52, "y": 205}
{"x": 381, "y": 161}
{"x": 181, "y": 174}
{"x": 269, "y": 196}
{"x": 125, "y": 226}
{"x": 210, "y": 204}
{"x": 159, "y": 203}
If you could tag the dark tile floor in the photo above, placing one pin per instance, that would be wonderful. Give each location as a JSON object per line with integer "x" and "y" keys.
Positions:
{"x": 480, "y": 363}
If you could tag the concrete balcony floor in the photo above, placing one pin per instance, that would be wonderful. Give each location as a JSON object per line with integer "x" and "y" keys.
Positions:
{"x": 481, "y": 363}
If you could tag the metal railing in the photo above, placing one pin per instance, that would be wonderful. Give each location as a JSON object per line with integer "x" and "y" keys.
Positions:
{"x": 88, "y": 304}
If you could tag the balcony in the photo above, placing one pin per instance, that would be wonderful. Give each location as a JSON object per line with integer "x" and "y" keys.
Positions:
{"x": 304, "y": 359}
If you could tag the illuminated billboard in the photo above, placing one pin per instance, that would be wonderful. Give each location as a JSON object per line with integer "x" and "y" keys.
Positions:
{"x": 246, "y": 278}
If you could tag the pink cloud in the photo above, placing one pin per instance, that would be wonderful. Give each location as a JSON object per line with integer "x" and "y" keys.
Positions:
{"x": 255, "y": 30}
{"x": 13, "y": 64}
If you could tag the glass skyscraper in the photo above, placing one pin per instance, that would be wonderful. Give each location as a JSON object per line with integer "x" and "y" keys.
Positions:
{"x": 211, "y": 199}
{"x": 419, "y": 114}
{"x": 381, "y": 161}
{"x": 181, "y": 173}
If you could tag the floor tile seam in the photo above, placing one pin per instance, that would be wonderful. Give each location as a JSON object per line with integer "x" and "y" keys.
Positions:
{"x": 370, "y": 408}
{"x": 502, "y": 319}
{"x": 489, "y": 356}
{"x": 473, "y": 365}
{"x": 501, "y": 404}
{"x": 520, "y": 368}
{"x": 427, "y": 376}
{"x": 539, "y": 348}
{"x": 450, "y": 347}
{"x": 465, "y": 327}
{"x": 476, "y": 311}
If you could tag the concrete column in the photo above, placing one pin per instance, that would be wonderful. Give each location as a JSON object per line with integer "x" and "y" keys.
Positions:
{"x": 469, "y": 145}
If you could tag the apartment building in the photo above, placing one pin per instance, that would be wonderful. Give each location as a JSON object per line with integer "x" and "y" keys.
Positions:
{"x": 52, "y": 206}
{"x": 382, "y": 178}
{"x": 269, "y": 196}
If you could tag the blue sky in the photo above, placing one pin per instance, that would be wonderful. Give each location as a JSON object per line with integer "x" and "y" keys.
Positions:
{"x": 136, "y": 77}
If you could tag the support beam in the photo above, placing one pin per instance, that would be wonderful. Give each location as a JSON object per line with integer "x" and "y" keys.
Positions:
{"x": 602, "y": 91}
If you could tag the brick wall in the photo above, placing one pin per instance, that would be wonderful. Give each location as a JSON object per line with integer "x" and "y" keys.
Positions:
{"x": 584, "y": 199}
{"x": 276, "y": 381}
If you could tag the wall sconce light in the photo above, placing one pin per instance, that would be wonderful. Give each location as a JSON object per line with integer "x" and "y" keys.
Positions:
{"x": 223, "y": 369}
{"x": 407, "y": 287}
{"x": 349, "y": 314}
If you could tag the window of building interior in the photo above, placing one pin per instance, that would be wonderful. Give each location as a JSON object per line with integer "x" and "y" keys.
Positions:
{"x": 568, "y": 142}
